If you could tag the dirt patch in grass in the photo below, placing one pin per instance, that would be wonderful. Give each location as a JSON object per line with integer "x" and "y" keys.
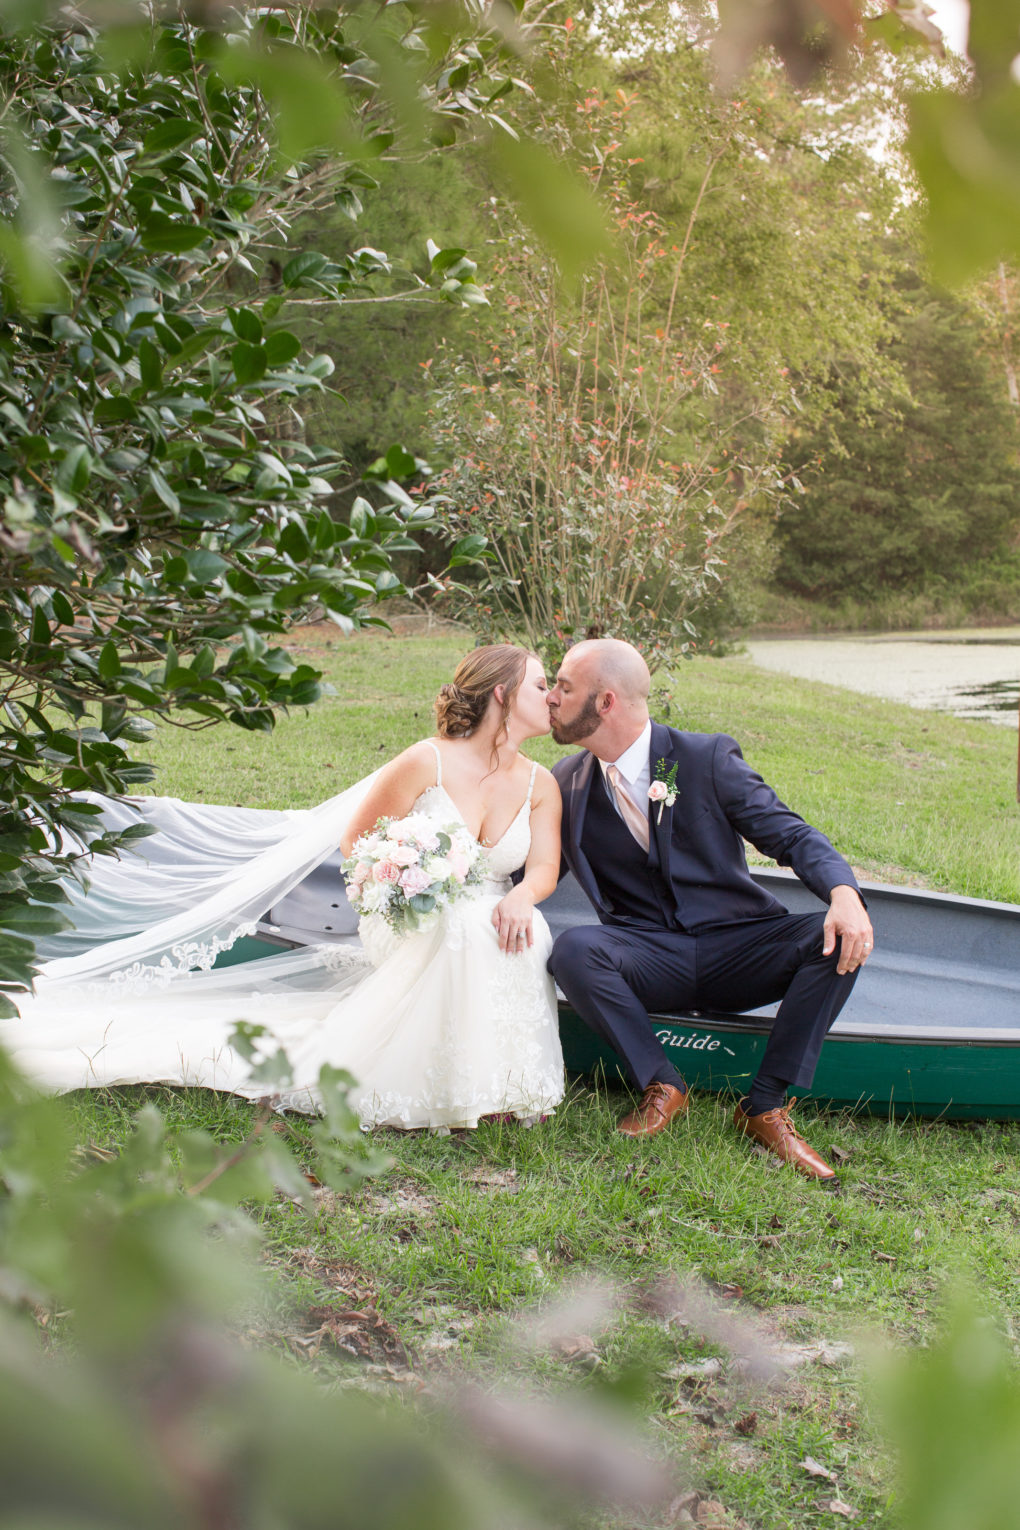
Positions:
{"x": 492, "y": 1179}
{"x": 403, "y": 1201}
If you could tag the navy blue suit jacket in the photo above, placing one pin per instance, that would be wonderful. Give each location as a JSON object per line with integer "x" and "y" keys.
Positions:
{"x": 697, "y": 843}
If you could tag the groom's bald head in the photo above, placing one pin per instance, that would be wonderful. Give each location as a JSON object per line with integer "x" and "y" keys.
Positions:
{"x": 611, "y": 665}
{"x": 600, "y": 698}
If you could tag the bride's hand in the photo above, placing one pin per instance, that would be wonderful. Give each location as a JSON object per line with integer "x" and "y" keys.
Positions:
{"x": 512, "y": 918}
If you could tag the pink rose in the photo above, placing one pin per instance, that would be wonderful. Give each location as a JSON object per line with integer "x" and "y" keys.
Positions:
{"x": 404, "y": 855}
{"x": 385, "y": 871}
{"x": 458, "y": 864}
{"x": 361, "y": 873}
{"x": 414, "y": 880}
{"x": 657, "y": 791}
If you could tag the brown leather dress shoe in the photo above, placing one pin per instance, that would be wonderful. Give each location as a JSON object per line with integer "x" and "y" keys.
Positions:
{"x": 659, "y": 1104}
{"x": 774, "y": 1130}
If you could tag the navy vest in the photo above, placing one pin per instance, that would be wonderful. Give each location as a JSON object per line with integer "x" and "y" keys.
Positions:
{"x": 634, "y": 889}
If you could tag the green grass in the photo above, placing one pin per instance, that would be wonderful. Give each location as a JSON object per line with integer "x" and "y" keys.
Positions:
{"x": 464, "y": 1232}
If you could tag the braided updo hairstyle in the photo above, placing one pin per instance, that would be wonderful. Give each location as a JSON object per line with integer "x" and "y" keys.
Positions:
{"x": 462, "y": 704}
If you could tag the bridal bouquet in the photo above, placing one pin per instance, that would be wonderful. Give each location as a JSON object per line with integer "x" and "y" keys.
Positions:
{"x": 408, "y": 869}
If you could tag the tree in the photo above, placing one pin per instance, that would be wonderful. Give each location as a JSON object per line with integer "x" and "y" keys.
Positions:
{"x": 916, "y": 491}
{"x": 162, "y": 516}
{"x": 612, "y": 439}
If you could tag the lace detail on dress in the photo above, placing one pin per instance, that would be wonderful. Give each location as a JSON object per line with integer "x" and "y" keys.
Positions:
{"x": 336, "y": 958}
{"x": 188, "y": 957}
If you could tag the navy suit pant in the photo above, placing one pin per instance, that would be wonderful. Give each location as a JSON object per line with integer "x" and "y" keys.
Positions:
{"x": 613, "y": 975}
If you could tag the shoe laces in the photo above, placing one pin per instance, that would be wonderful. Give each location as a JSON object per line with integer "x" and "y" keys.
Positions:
{"x": 782, "y": 1113}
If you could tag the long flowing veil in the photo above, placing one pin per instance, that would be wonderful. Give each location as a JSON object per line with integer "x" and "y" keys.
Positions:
{"x": 189, "y": 891}
{"x": 147, "y": 935}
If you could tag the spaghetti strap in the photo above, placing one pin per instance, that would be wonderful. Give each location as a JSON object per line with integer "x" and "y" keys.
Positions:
{"x": 439, "y": 762}
{"x": 531, "y": 782}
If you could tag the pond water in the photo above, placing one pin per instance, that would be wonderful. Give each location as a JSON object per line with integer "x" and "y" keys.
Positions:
{"x": 971, "y": 673}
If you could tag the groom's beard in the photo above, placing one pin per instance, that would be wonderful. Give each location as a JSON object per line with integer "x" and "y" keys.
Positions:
{"x": 582, "y": 727}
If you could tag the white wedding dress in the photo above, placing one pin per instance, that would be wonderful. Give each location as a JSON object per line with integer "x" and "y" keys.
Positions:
{"x": 438, "y": 1027}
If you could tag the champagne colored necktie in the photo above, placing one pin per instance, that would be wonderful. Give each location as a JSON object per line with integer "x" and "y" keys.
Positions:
{"x": 636, "y": 821}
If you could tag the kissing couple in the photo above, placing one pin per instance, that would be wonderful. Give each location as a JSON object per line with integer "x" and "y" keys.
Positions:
{"x": 456, "y": 1019}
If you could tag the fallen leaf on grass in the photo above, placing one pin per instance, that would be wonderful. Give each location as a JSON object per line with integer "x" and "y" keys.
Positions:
{"x": 711, "y": 1513}
{"x": 343, "y": 1277}
{"x": 358, "y": 1333}
{"x": 727, "y": 1292}
{"x": 837, "y": 1506}
{"x": 681, "y": 1510}
{"x": 816, "y": 1469}
{"x": 93, "y": 1153}
{"x": 579, "y": 1349}
{"x": 697, "y": 1370}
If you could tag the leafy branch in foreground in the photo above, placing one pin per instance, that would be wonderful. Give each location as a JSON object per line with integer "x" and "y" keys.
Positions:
{"x": 127, "y": 1305}
{"x": 162, "y": 517}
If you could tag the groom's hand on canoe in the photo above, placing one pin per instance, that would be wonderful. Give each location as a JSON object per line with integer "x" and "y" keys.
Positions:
{"x": 847, "y": 921}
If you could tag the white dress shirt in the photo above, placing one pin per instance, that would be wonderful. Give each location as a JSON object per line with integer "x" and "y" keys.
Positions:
{"x": 634, "y": 766}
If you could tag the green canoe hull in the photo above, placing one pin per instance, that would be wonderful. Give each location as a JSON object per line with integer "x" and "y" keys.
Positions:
{"x": 932, "y": 1029}
{"x": 891, "y": 1075}
{"x": 888, "y": 1076}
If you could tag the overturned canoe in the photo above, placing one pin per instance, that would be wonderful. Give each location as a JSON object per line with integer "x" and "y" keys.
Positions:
{"x": 932, "y": 1029}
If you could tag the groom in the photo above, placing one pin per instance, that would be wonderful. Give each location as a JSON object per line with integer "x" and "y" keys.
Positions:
{"x": 653, "y": 822}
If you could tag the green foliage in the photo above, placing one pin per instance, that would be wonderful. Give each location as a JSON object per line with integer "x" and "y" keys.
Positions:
{"x": 163, "y": 519}
{"x": 381, "y": 387}
{"x": 613, "y": 438}
{"x": 127, "y": 1396}
{"x": 954, "y": 1411}
{"x": 964, "y": 146}
{"x": 912, "y": 494}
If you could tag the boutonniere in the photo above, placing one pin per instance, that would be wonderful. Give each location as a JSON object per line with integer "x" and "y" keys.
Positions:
{"x": 663, "y": 789}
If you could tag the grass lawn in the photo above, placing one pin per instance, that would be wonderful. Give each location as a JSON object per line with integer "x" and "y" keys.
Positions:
{"x": 463, "y": 1232}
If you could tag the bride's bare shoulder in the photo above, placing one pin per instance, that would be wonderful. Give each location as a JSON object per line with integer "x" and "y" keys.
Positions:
{"x": 544, "y": 779}
{"x": 418, "y": 760}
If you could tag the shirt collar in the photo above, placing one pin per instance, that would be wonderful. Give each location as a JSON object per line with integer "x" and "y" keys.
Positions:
{"x": 635, "y": 759}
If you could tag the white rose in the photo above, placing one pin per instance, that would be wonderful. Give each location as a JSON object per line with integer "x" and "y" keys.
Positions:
{"x": 375, "y": 896}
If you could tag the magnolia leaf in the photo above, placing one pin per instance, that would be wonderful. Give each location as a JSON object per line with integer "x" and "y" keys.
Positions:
{"x": 555, "y": 201}
{"x": 166, "y": 235}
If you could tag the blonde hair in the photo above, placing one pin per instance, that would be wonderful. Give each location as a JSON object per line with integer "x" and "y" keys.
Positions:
{"x": 463, "y": 702}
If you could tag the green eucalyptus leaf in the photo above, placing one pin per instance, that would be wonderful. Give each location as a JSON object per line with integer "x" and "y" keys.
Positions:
{"x": 303, "y": 268}
{"x": 151, "y": 364}
{"x": 281, "y": 347}
{"x": 248, "y": 362}
{"x": 246, "y": 325}
{"x": 163, "y": 490}
{"x": 169, "y": 135}
{"x": 165, "y": 235}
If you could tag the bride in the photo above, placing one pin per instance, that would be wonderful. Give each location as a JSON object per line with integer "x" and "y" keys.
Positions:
{"x": 439, "y": 1027}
